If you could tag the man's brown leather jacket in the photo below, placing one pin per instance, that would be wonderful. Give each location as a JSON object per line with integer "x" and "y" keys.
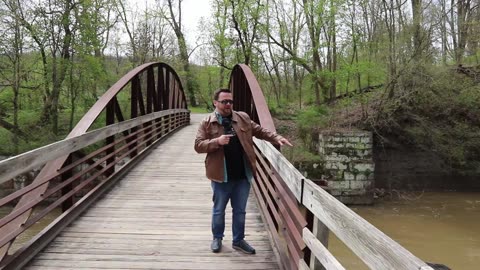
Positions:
{"x": 210, "y": 129}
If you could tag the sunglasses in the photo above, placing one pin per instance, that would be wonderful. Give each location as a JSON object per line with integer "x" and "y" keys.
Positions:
{"x": 226, "y": 101}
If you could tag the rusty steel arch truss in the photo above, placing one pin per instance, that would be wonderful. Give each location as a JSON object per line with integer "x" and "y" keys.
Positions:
{"x": 278, "y": 204}
{"x": 248, "y": 96}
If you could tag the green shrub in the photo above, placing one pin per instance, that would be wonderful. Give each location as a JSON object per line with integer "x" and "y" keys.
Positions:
{"x": 198, "y": 109}
{"x": 309, "y": 121}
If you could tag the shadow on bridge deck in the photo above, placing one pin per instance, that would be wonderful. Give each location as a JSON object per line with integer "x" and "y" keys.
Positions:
{"x": 157, "y": 217}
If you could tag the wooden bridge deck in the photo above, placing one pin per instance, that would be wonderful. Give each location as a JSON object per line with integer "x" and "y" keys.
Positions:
{"x": 157, "y": 217}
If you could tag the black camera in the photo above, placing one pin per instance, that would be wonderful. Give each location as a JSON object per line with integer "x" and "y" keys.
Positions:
{"x": 227, "y": 126}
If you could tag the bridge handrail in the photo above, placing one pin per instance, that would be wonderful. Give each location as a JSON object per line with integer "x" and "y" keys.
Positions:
{"x": 279, "y": 186}
{"x": 27, "y": 161}
{"x": 151, "y": 128}
{"x": 151, "y": 87}
{"x": 370, "y": 244}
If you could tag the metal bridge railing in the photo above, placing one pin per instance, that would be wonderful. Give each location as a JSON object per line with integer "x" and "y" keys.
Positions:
{"x": 83, "y": 166}
{"x": 373, "y": 247}
{"x": 287, "y": 200}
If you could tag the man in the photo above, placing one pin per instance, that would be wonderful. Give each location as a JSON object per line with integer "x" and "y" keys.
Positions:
{"x": 226, "y": 137}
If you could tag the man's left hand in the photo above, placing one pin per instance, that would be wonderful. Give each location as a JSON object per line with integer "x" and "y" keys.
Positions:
{"x": 282, "y": 141}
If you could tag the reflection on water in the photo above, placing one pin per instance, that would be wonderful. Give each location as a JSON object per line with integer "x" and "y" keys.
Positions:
{"x": 34, "y": 229}
{"x": 436, "y": 227}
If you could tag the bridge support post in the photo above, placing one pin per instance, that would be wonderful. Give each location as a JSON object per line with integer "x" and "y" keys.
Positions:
{"x": 169, "y": 123}
{"x": 110, "y": 117}
{"x": 65, "y": 176}
{"x": 321, "y": 233}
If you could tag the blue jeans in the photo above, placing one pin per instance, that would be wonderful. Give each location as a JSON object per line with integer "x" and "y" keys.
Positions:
{"x": 237, "y": 191}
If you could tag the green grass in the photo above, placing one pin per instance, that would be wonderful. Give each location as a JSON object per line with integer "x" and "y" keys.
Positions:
{"x": 198, "y": 109}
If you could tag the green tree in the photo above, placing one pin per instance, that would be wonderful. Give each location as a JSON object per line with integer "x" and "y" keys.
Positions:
{"x": 12, "y": 67}
{"x": 246, "y": 19}
{"x": 174, "y": 18}
{"x": 220, "y": 41}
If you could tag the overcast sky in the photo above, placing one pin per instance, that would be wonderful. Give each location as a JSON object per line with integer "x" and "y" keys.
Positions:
{"x": 192, "y": 11}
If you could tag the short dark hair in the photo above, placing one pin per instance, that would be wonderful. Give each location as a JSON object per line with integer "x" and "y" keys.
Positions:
{"x": 221, "y": 90}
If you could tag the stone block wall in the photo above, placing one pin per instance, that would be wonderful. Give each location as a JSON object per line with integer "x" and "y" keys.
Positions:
{"x": 349, "y": 166}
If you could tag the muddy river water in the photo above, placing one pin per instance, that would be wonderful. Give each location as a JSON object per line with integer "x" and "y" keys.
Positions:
{"x": 436, "y": 227}
{"x": 33, "y": 230}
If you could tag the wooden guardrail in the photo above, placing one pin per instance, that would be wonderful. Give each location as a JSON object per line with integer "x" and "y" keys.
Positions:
{"x": 27, "y": 161}
{"x": 80, "y": 182}
{"x": 281, "y": 189}
{"x": 373, "y": 247}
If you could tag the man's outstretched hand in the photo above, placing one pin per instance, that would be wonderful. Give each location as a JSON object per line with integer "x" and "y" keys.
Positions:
{"x": 282, "y": 141}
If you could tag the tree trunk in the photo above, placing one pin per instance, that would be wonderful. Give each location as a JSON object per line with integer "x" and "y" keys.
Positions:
{"x": 296, "y": 84}
{"x": 64, "y": 63}
{"x": 41, "y": 46}
{"x": 220, "y": 41}
{"x": 333, "y": 46}
{"x": 59, "y": 68}
{"x": 313, "y": 30}
{"x": 463, "y": 21}
{"x": 17, "y": 44}
{"x": 277, "y": 74}
{"x": 286, "y": 75}
{"x": 186, "y": 67}
{"x": 417, "y": 21}
{"x": 444, "y": 31}
{"x": 123, "y": 16}
{"x": 73, "y": 94}
{"x": 392, "y": 65}
{"x": 182, "y": 46}
{"x": 453, "y": 29}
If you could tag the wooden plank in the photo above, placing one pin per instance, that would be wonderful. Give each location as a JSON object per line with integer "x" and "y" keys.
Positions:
{"x": 171, "y": 231}
{"x": 321, "y": 253}
{"x": 156, "y": 257}
{"x": 227, "y": 252}
{"x": 187, "y": 219}
{"x": 127, "y": 241}
{"x": 291, "y": 176}
{"x": 158, "y": 217}
{"x": 302, "y": 265}
{"x": 148, "y": 226}
{"x": 321, "y": 233}
{"x": 154, "y": 265}
{"x": 140, "y": 237}
{"x": 159, "y": 247}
